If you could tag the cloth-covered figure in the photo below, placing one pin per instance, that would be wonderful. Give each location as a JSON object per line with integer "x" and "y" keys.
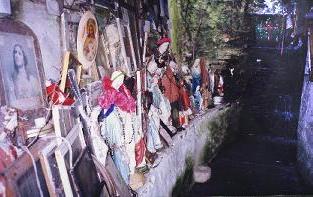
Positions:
{"x": 153, "y": 137}
{"x": 184, "y": 96}
{"x": 196, "y": 85}
{"x": 186, "y": 104}
{"x": 204, "y": 84}
{"x": 171, "y": 91}
{"x": 218, "y": 88}
{"x": 159, "y": 100}
{"x": 211, "y": 78}
{"x": 198, "y": 99}
{"x": 118, "y": 126}
{"x": 196, "y": 75}
{"x": 218, "y": 83}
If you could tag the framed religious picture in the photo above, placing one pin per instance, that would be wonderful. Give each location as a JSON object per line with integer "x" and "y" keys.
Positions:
{"x": 5, "y": 7}
{"x": 120, "y": 46}
{"x": 117, "y": 54}
{"x": 21, "y": 70}
{"x": 66, "y": 154}
{"x": 64, "y": 118}
{"x": 50, "y": 169}
{"x": 75, "y": 164}
{"x": 94, "y": 90}
{"x": 87, "y": 40}
{"x": 85, "y": 176}
{"x": 129, "y": 16}
{"x": 71, "y": 3}
{"x": 103, "y": 58}
{"x": 103, "y": 62}
{"x": 54, "y": 7}
{"x": 105, "y": 3}
{"x": 69, "y": 28}
{"x": 129, "y": 47}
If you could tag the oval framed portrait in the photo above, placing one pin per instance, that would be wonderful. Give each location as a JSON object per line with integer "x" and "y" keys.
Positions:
{"x": 87, "y": 40}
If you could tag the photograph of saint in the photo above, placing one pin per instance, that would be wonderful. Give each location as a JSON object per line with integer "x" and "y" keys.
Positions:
{"x": 19, "y": 71}
{"x": 90, "y": 45}
{"x": 87, "y": 40}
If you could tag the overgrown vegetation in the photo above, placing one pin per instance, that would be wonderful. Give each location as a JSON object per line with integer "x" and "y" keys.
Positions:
{"x": 222, "y": 130}
{"x": 206, "y": 26}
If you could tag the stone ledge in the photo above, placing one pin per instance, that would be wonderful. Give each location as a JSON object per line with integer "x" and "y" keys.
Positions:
{"x": 190, "y": 143}
{"x": 305, "y": 137}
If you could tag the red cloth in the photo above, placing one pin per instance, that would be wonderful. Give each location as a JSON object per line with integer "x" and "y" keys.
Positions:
{"x": 140, "y": 150}
{"x": 184, "y": 96}
{"x": 182, "y": 119}
{"x": 57, "y": 96}
{"x": 171, "y": 88}
{"x": 6, "y": 157}
{"x": 204, "y": 74}
{"x": 163, "y": 40}
{"x": 121, "y": 98}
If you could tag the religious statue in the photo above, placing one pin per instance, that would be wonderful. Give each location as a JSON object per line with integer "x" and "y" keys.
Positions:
{"x": 196, "y": 85}
{"x": 204, "y": 84}
{"x": 118, "y": 126}
{"x": 171, "y": 91}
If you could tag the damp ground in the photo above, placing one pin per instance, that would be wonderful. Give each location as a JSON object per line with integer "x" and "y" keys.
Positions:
{"x": 261, "y": 159}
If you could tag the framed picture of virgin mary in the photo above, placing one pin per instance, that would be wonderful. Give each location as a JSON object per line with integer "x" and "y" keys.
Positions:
{"x": 21, "y": 69}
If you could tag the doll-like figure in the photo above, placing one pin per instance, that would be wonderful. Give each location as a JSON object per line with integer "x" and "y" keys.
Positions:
{"x": 204, "y": 84}
{"x": 196, "y": 85}
{"x": 218, "y": 87}
{"x": 118, "y": 126}
{"x": 186, "y": 104}
{"x": 171, "y": 91}
{"x": 198, "y": 99}
{"x": 159, "y": 100}
{"x": 153, "y": 138}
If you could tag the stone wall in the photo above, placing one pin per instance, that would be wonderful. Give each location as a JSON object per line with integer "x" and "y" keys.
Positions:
{"x": 46, "y": 27}
{"x": 191, "y": 147}
{"x": 305, "y": 131}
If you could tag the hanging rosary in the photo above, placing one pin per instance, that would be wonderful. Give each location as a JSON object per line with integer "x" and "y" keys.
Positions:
{"x": 123, "y": 127}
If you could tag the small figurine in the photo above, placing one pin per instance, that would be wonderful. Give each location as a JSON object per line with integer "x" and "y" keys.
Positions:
{"x": 171, "y": 91}
{"x": 204, "y": 84}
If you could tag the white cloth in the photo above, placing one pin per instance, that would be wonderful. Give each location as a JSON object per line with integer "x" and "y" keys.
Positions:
{"x": 112, "y": 132}
{"x": 99, "y": 148}
{"x": 153, "y": 137}
{"x": 289, "y": 24}
{"x": 165, "y": 108}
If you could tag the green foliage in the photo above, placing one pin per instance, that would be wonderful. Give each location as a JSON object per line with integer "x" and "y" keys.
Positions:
{"x": 205, "y": 26}
{"x": 174, "y": 12}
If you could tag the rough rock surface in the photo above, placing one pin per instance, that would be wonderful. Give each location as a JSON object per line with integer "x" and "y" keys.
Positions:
{"x": 202, "y": 174}
{"x": 305, "y": 134}
{"x": 190, "y": 143}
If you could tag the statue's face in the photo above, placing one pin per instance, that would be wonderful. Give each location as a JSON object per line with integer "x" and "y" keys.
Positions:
{"x": 18, "y": 56}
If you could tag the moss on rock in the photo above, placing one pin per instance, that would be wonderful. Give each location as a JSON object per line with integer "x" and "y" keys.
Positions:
{"x": 184, "y": 182}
